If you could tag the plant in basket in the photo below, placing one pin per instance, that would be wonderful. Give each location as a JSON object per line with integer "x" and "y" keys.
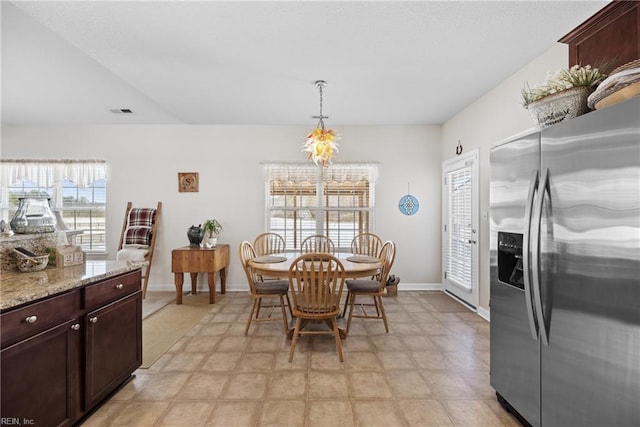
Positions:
{"x": 563, "y": 95}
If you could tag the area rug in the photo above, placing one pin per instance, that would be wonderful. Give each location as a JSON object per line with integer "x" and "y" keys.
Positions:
{"x": 444, "y": 303}
{"x": 154, "y": 301}
{"x": 165, "y": 327}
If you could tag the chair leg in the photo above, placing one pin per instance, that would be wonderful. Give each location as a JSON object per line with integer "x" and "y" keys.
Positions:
{"x": 253, "y": 308}
{"x": 259, "y": 306}
{"x": 346, "y": 303}
{"x": 336, "y": 332}
{"x": 285, "y": 319}
{"x": 384, "y": 316}
{"x": 289, "y": 305}
{"x": 294, "y": 339}
{"x": 375, "y": 303}
{"x": 352, "y": 302}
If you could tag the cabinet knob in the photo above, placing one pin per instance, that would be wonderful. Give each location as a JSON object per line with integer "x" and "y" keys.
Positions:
{"x": 119, "y": 286}
{"x": 31, "y": 319}
{"x": 93, "y": 320}
{"x": 75, "y": 326}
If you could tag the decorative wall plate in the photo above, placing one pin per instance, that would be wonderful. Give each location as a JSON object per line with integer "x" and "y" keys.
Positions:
{"x": 408, "y": 205}
{"x": 188, "y": 182}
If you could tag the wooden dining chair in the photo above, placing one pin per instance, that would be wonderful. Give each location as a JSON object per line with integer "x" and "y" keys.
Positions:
{"x": 366, "y": 244}
{"x": 316, "y": 281}
{"x": 372, "y": 288}
{"x": 259, "y": 289}
{"x": 318, "y": 243}
{"x": 269, "y": 243}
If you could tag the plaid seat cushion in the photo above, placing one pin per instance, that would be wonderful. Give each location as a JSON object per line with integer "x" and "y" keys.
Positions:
{"x": 141, "y": 217}
{"x": 363, "y": 285}
{"x": 272, "y": 287}
{"x": 137, "y": 236}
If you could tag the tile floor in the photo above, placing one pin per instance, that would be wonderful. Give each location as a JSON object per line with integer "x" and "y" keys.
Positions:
{"x": 431, "y": 369}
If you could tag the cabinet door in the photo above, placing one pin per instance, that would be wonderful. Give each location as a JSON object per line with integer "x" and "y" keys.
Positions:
{"x": 40, "y": 378}
{"x": 114, "y": 346}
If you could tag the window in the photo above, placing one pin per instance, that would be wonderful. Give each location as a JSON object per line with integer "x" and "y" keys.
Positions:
{"x": 303, "y": 199}
{"x": 76, "y": 190}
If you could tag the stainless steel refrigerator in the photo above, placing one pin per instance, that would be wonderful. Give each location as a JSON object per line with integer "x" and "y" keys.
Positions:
{"x": 565, "y": 271}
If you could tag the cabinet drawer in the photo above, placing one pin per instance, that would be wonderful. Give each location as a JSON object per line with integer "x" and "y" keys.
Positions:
{"x": 24, "y": 322}
{"x": 112, "y": 289}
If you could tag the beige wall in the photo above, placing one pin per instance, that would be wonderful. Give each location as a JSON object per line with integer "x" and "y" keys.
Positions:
{"x": 144, "y": 162}
{"x": 496, "y": 116}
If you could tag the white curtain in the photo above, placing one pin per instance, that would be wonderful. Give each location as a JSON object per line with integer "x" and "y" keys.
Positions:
{"x": 336, "y": 172}
{"x": 46, "y": 173}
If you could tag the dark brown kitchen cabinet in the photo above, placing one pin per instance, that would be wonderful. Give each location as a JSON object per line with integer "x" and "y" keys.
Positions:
{"x": 610, "y": 35}
{"x": 40, "y": 361}
{"x": 113, "y": 346}
{"x": 40, "y": 378}
{"x": 63, "y": 355}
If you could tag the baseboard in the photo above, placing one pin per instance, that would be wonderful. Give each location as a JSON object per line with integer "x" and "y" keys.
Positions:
{"x": 231, "y": 287}
{"x": 484, "y": 313}
{"x": 419, "y": 286}
{"x": 243, "y": 287}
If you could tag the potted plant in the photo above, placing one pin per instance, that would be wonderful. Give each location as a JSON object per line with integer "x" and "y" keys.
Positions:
{"x": 211, "y": 229}
{"x": 563, "y": 95}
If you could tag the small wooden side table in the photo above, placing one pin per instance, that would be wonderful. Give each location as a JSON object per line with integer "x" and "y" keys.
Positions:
{"x": 194, "y": 260}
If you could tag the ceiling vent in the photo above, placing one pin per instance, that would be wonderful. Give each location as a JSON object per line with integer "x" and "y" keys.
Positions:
{"x": 121, "y": 110}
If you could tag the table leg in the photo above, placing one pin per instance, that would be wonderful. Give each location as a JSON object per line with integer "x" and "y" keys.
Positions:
{"x": 223, "y": 280}
{"x": 341, "y": 332}
{"x": 292, "y": 330}
{"x": 178, "y": 281}
{"x": 211, "y": 280}
{"x": 194, "y": 283}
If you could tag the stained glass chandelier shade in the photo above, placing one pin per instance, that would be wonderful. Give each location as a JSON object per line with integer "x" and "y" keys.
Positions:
{"x": 321, "y": 142}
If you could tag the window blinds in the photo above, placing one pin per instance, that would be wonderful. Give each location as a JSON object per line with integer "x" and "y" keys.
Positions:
{"x": 459, "y": 262}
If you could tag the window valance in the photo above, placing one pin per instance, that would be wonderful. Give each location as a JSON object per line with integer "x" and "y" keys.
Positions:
{"x": 46, "y": 173}
{"x": 305, "y": 172}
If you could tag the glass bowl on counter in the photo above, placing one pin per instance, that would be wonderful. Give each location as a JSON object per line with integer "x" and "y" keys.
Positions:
{"x": 30, "y": 262}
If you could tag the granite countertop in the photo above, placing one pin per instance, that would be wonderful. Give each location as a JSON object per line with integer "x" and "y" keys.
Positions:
{"x": 18, "y": 288}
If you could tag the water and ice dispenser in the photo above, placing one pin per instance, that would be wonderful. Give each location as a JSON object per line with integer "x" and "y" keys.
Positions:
{"x": 510, "y": 259}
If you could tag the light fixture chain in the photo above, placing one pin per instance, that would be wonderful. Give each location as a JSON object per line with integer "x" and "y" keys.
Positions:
{"x": 321, "y": 122}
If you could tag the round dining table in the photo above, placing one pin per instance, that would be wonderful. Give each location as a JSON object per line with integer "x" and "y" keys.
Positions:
{"x": 277, "y": 265}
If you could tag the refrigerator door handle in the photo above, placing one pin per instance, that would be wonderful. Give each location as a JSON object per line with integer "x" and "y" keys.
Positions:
{"x": 526, "y": 256}
{"x": 543, "y": 188}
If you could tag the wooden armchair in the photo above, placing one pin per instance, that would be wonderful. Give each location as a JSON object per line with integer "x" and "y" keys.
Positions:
{"x": 138, "y": 238}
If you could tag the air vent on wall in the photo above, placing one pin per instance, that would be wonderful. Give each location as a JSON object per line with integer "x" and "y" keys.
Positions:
{"x": 121, "y": 110}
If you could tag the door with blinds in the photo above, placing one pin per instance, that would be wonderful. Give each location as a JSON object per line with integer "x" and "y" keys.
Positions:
{"x": 460, "y": 217}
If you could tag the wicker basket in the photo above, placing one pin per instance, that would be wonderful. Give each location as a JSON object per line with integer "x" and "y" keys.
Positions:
{"x": 560, "y": 106}
{"x": 27, "y": 264}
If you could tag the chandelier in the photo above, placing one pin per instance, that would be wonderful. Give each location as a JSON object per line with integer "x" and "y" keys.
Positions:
{"x": 321, "y": 142}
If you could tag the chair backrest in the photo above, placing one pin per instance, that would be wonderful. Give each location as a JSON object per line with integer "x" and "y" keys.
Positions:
{"x": 247, "y": 253}
{"x": 316, "y": 281}
{"x": 387, "y": 256}
{"x": 366, "y": 244}
{"x": 269, "y": 243}
{"x": 318, "y": 243}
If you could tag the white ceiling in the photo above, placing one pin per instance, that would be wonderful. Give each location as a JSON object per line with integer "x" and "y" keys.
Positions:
{"x": 255, "y": 63}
